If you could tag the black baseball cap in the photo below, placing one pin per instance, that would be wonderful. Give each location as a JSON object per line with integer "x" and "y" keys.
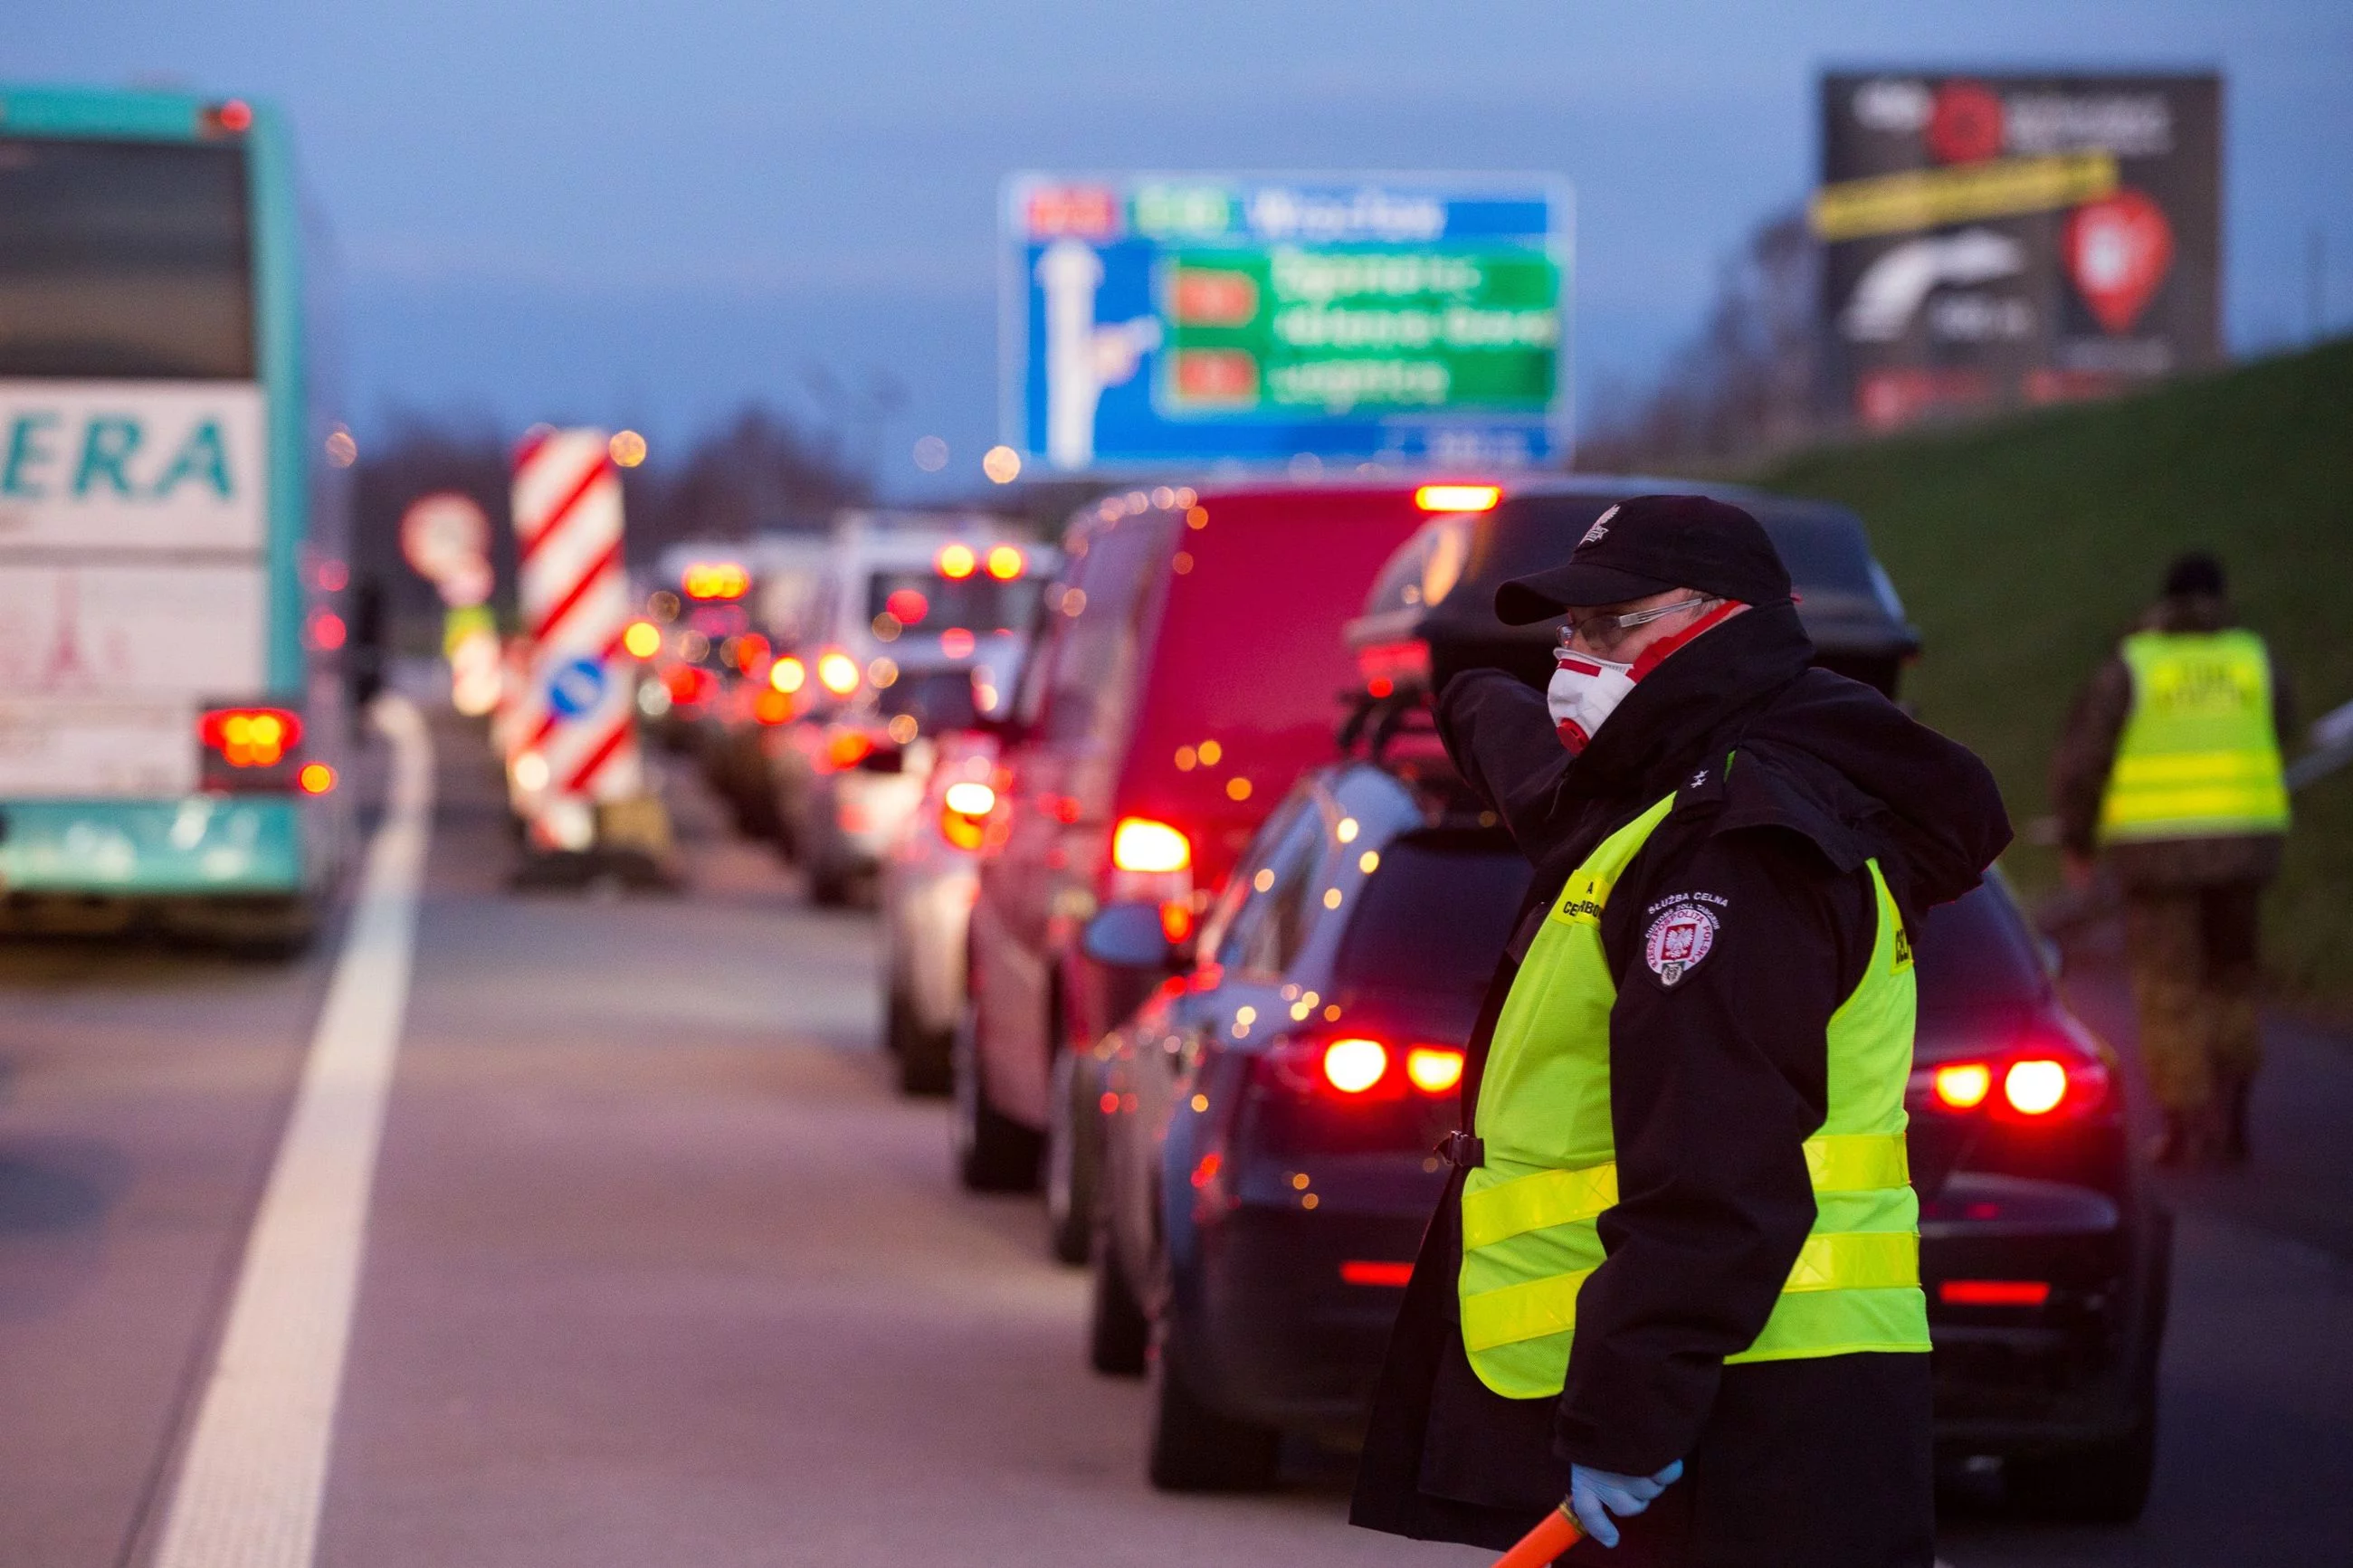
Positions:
{"x": 1649, "y": 544}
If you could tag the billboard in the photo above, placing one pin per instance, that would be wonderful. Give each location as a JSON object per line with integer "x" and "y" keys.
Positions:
{"x": 1155, "y": 319}
{"x": 1994, "y": 241}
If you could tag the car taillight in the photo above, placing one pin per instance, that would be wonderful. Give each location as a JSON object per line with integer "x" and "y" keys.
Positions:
{"x": 642, "y": 640}
{"x": 251, "y": 737}
{"x": 1368, "y": 1271}
{"x": 1434, "y": 1069}
{"x": 837, "y": 672}
{"x": 2025, "y": 1087}
{"x": 1007, "y": 563}
{"x": 690, "y": 685}
{"x": 1140, "y": 844}
{"x": 847, "y": 748}
{"x": 788, "y": 675}
{"x": 965, "y": 808}
{"x": 1457, "y": 497}
{"x": 1994, "y": 1292}
{"x": 1358, "y": 1067}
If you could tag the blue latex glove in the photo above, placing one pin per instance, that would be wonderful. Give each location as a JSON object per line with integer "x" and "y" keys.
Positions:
{"x": 1594, "y": 1495}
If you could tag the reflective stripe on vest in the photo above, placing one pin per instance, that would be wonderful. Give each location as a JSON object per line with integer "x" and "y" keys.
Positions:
{"x": 1529, "y": 1239}
{"x": 2199, "y": 757}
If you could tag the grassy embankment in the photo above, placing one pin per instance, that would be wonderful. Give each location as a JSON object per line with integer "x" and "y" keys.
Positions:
{"x": 2023, "y": 549}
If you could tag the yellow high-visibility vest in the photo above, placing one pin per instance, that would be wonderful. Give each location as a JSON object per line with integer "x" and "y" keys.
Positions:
{"x": 2199, "y": 757}
{"x": 1529, "y": 1239}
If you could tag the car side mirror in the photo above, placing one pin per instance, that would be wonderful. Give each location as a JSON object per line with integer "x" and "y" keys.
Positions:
{"x": 1129, "y": 935}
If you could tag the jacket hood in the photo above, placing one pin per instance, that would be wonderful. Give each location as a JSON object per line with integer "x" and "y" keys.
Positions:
{"x": 1862, "y": 778}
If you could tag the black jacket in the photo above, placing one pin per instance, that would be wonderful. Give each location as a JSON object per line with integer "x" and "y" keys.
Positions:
{"x": 1717, "y": 1077}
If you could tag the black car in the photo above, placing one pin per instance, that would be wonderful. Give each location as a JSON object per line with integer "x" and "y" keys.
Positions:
{"x": 1432, "y": 610}
{"x": 1271, "y": 1117}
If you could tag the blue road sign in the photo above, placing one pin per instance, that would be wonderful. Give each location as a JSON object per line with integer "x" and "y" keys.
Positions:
{"x": 577, "y": 687}
{"x": 1187, "y": 318}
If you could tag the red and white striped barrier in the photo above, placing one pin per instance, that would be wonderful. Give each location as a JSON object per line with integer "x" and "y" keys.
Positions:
{"x": 571, "y": 733}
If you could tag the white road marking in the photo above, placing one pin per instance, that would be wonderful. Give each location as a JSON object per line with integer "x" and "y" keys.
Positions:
{"x": 250, "y": 1487}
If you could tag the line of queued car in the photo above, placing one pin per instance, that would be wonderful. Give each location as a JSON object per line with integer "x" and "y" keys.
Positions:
{"x": 1193, "y": 921}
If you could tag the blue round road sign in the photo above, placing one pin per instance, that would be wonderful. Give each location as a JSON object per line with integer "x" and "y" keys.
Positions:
{"x": 577, "y": 687}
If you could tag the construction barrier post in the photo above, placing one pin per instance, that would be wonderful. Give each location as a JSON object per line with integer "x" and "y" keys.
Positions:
{"x": 574, "y": 767}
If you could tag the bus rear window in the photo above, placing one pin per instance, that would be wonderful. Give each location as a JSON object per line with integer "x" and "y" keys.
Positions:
{"x": 124, "y": 259}
{"x": 925, "y": 601}
{"x": 1434, "y": 918}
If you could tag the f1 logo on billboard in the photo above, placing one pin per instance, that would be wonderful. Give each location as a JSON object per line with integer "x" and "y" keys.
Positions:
{"x": 1994, "y": 241}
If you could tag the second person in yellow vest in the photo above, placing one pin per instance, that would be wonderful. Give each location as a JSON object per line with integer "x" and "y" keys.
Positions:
{"x": 2170, "y": 771}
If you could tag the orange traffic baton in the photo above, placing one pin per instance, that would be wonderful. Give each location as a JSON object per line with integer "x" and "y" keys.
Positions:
{"x": 1554, "y": 1534}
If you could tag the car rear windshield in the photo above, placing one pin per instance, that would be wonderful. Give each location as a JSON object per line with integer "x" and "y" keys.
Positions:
{"x": 925, "y": 601}
{"x": 124, "y": 259}
{"x": 1976, "y": 955}
{"x": 1435, "y": 916}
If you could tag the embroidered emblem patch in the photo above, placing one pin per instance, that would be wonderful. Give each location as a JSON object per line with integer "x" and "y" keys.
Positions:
{"x": 1600, "y": 529}
{"x": 1678, "y": 939}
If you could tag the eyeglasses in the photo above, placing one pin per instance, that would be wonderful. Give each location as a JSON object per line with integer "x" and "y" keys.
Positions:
{"x": 1604, "y": 632}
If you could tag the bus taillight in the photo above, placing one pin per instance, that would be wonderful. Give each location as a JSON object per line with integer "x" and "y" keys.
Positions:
{"x": 251, "y": 737}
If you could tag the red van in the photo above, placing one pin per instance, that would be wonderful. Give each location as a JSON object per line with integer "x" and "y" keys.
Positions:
{"x": 1187, "y": 668}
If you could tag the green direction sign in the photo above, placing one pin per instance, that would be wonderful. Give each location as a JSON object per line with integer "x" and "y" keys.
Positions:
{"x": 1358, "y": 329}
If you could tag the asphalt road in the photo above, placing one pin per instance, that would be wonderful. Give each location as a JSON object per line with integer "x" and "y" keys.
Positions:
{"x": 660, "y": 1271}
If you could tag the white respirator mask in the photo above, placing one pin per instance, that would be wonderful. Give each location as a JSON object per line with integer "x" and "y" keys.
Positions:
{"x": 1585, "y": 691}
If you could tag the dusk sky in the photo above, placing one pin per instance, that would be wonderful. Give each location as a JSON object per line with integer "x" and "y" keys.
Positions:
{"x": 649, "y": 214}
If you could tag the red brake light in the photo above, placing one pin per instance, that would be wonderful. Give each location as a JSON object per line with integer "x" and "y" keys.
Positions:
{"x": 1355, "y": 1065}
{"x": 1140, "y": 844}
{"x": 1176, "y": 919}
{"x": 970, "y": 797}
{"x": 1458, "y": 497}
{"x": 715, "y": 580}
{"x": 1434, "y": 1069}
{"x": 2033, "y": 1086}
{"x": 1963, "y": 1086}
{"x": 251, "y": 737}
{"x": 849, "y": 748}
{"x": 1994, "y": 1292}
{"x": 965, "y": 808}
{"x": 1364, "y": 1271}
{"x": 1006, "y": 564}
{"x": 837, "y": 672}
{"x": 957, "y": 562}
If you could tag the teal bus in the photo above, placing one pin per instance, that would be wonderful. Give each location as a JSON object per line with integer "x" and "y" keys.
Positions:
{"x": 172, "y": 533}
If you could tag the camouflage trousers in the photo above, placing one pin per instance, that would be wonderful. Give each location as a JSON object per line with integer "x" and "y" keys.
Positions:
{"x": 2195, "y": 967}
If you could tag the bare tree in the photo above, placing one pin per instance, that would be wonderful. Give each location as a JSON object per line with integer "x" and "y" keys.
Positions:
{"x": 1745, "y": 384}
